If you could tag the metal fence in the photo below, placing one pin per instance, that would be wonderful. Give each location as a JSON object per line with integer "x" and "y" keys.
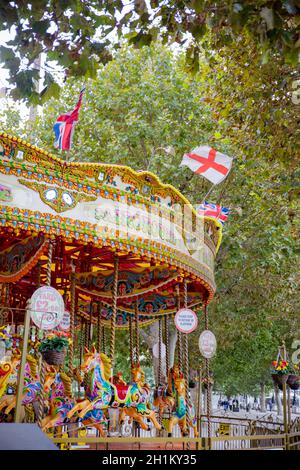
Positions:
{"x": 226, "y": 434}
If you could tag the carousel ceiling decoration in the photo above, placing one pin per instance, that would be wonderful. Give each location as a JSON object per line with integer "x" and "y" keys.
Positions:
{"x": 57, "y": 198}
{"x": 106, "y": 312}
{"x": 18, "y": 258}
{"x": 131, "y": 283}
{"x": 110, "y": 208}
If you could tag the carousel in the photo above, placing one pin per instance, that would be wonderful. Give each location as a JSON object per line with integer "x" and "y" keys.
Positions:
{"x": 87, "y": 249}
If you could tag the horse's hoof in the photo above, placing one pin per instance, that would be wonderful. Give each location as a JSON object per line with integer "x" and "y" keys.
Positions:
{"x": 169, "y": 434}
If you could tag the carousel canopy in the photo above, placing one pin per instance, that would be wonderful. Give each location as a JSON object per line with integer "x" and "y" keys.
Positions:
{"x": 94, "y": 211}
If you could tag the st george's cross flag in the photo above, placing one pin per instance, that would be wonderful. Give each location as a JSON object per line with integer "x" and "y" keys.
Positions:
{"x": 64, "y": 126}
{"x": 215, "y": 211}
{"x": 209, "y": 163}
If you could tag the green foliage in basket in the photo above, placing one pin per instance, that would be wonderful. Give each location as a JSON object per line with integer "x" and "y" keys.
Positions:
{"x": 54, "y": 343}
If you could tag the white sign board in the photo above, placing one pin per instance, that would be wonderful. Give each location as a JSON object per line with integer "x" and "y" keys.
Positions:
{"x": 65, "y": 323}
{"x": 47, "y": 308}
{"x": 186, "y": 320}
{"x": 155, "y": 350}
{"x": 207, "y": 344}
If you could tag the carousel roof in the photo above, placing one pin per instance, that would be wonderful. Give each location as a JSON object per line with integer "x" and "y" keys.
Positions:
{"x": 94, "y": 211}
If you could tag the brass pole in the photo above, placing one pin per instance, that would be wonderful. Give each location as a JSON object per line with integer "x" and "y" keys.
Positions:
{"x": 20, "y": 384}
{"x": 208, "y": 390}
{"x": 137, "y": 333}
{"x": 186, "y": 361}
{"x": 43, "y": 366}
{"x": 86, "y": 339}
{"x": 159, "y": 353}
{"x": 103, "y": 339}
{"x": 289, "y": 407}
{"x": 91, "y": 325}
{"x": 179, "y": 334}
{"x": 167, "y": 344}
{"x": 114, "y": 313}
{"x": 99, "y": 309}
{"x": 199, "y": 401}
{"x": 72, "y": 320}
{"x": 131, "y": 344}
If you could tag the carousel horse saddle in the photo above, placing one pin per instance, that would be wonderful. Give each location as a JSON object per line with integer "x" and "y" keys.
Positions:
{"x": 121, "y": 391}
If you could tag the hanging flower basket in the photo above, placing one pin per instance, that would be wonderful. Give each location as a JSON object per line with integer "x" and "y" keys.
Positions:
{"x": 280, "y": 379}
{"x": 54, "y": 358}
{"x": 54, "y": 348}
{"x": 293, "y": 382}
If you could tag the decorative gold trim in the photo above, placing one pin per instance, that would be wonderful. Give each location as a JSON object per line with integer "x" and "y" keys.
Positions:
{"x": 59, "y": 205}
{"x": 84, "y": 170}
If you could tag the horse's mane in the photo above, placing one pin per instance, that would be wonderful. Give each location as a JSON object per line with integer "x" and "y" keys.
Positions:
{"x": 106, "y": 365}
{"x": 32, "y": 364}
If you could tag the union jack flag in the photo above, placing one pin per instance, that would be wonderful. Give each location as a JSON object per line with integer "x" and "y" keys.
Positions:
{"x": 213, "y": 210}
{"x": 64, "y": 126}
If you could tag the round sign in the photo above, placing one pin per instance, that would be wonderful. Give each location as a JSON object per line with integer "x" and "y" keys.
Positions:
{"x": 47, "y": 308}
{"x": 186, "y": 320}
{"x": 65, "y": 323}
{"x": 207, "y": 344}
{"x": 155, "y": 350}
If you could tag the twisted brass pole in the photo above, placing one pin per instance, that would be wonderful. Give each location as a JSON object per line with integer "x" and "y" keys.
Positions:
{"x": 167, "y": 344}
{"x": 99, "y": 309}
{"x": 72, "y": 320}
{"x": 186, "y": 361}
{"x": 179, "y": 334}
{"x": 103, "y": 340}
{"x": 131, "y": 344}
{"x": 137, "y": 336}
{"x": 159, "y": 352}
{"x": 114, "y": 312}
{"x": 208, "y": 390}
{"x": 42, "y": 397}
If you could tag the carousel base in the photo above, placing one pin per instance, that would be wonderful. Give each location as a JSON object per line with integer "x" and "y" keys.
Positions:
{"x": 24, "y": 437}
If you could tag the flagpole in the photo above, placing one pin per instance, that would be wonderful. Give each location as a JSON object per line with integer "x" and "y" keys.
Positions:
{"x": 208, "y": 192}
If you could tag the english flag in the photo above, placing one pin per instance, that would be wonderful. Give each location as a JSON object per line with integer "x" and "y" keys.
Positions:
{"x": 209, "y": 163}
{"x": 64, "y": 126}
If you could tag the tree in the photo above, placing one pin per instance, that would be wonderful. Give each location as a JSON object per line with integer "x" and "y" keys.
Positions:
{"x": 78, "y": 36}
{"x": 145, "y": 110}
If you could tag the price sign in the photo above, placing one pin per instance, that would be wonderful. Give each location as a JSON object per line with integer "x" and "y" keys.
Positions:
{"x": 65, "y": 323}
{"x": 207, "y": 344}
{"x": 47, "y": 308}
{"x": 186, "y": 320}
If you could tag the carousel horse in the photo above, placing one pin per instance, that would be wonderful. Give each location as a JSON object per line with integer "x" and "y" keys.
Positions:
{"x": 101, "y": 393}
{"x": 5, "y": 372}
{"x": 180, "y": 417}
{"x": 61, "y": 401}
{"x": 164, "y": 396}
{"x": 31, "y": 389}
{"x": 7, "y": 369}
{"x": 140, "y": 405}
